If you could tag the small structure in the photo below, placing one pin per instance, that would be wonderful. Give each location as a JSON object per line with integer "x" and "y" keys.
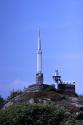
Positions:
{"x": 57, "y": 78}
{"x": 67, "y": 88}
{"x": 63, "y": 87}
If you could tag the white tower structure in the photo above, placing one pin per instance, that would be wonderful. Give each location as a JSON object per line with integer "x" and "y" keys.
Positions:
{"x": 39, "y": 55}
{"x": 39, "y": 75}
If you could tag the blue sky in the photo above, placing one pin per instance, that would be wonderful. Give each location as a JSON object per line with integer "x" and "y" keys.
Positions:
{"x": 61, "y": 25}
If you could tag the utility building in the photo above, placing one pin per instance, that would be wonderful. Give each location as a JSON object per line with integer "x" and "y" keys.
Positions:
{"x": 63, "y": 87}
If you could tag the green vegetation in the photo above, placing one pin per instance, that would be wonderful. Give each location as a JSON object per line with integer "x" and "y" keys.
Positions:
{"x": 49, "y": 88}
{"x": 57, "y": 111}
{"x": 36, "y": 114}
{"x": 14, "y": 94}
{"x": 1, "y": 101}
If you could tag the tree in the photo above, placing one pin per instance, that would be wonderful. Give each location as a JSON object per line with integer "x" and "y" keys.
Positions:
{"x": 14, "y": 94}
{"x": 2, "y": 101}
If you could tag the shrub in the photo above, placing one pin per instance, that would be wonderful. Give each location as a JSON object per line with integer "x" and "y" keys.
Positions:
{"x": 1, "y": 101}
{"x": 36, "y": 114}
{"x": 14, "y": 94}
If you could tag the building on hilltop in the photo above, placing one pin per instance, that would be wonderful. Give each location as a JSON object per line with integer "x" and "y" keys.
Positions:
{"x": 64, "y": 87}
{"x": 39, "y": 86}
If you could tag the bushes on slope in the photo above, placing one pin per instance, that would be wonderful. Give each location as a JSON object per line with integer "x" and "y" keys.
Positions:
{"x": 31, "y": 115}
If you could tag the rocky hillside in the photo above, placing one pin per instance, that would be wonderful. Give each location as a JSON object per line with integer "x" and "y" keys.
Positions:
{"x": 72, "y": 106}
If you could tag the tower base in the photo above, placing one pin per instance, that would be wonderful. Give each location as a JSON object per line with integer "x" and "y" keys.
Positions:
{"x": 39, "y": 78}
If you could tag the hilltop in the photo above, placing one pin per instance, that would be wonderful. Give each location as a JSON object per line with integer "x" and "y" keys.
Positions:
{"x": 63, "y": 109}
